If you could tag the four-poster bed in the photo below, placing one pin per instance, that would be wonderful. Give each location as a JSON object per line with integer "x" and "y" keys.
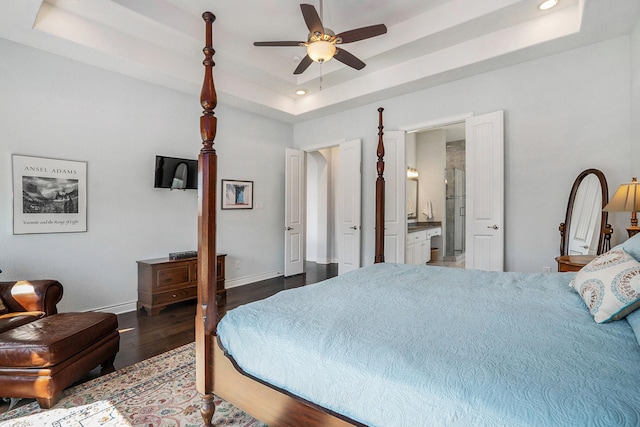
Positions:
{"x": 408, "y": 345}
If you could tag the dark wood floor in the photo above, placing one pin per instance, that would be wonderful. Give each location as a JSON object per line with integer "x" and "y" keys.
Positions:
{"x": 142, "y": 336}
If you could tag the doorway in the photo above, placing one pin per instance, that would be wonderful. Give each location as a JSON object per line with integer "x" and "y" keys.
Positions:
{"x": 437, "y": 157}
{"x": 321, "y": 206}
{"x": 484, "y": 192}
{"x": 329, "y": 204}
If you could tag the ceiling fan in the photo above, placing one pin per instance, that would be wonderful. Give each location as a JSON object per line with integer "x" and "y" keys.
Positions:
{"x": 321, "y": 42}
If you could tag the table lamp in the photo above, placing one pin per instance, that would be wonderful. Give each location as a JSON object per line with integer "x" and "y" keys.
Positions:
{"x": 627, "y": 199}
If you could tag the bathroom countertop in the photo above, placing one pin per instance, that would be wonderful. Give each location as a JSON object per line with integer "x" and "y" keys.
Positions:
{"x": 419, "y": 226}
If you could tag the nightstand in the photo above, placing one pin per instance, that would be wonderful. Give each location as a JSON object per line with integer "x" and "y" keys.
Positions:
{"x": 573, "y": 262}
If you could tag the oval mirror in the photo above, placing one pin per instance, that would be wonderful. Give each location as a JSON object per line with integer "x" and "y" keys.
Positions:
{"x": 585, "y": 230}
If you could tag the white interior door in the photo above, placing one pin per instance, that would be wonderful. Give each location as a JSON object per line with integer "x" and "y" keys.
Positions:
{"x": 395, "y": 209}
{"x": 485, "y": 192}
{"x": 349, "y": 205}
{"x": 294, "y": 212}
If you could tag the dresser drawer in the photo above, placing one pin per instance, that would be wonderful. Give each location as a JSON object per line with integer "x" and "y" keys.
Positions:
{"x": 176, "y": 295}
{"x": 434, "y": 232}
{"x": 173, "y": 277}
{"x": 416, "y": 236}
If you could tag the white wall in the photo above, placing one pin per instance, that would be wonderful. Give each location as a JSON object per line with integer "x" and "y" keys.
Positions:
{"x": 634, "y": 141}
{"x": 563, "y": 114}
{"x": 322, "y": 169}
{"x": 432, "y": 160}
{"x": 54, "y": 107}
{"x": 411, "y": 149}
{"x": 315, "y": 164}
{"x": 332, "y": 224}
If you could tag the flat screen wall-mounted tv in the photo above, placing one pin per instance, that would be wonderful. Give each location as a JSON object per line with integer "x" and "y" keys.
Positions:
{"x": 175, "y": 173}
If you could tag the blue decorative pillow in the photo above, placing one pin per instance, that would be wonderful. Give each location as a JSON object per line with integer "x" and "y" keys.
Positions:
{"x": 609, "y": 285}
{"x": 632, "y": 246}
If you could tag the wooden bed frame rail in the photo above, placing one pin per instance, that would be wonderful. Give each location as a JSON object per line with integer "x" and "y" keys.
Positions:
{"x": 214, "y": 371}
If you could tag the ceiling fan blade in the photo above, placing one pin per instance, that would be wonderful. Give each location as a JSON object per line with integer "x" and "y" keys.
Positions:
{"x": 312, "y": 19}
{"x": 348, "y": 59}
{"x": 303, "y": 65}
{"x": 283, "y": 43}
{"x": 362, "y": 33}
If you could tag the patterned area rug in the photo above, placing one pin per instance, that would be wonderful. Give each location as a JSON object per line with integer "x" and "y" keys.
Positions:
{"x": 160, "y": 391}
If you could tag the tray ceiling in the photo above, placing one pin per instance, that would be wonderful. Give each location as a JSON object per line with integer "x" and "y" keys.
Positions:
{"x": 428, "y": 42}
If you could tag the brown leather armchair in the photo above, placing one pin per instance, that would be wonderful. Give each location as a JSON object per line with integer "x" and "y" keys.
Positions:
{"x": 28, "y": 300}
{"x": 48, "y": 352}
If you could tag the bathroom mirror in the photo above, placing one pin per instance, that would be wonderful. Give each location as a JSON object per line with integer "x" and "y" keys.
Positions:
{"x": 585, "y": 230}
{"x": 412, "y": 198}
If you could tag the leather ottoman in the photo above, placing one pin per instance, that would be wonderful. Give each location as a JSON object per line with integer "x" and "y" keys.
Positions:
{"x": 42, "y": 358}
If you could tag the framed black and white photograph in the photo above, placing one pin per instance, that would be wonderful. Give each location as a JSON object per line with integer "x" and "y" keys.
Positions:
{"x": 237, "y": 194}
{"x": 49, "y": 195}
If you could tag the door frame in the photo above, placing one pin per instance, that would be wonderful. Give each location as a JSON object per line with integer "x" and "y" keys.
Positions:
{"x": 431, "y": 125}
{"x": 436, "y": 123}
{"x": 324, "y": 146}
{"x": 311, "y": 149}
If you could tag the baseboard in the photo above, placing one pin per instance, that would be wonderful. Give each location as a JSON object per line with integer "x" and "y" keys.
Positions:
{"x": 228, "y": 284}
{"x": 325, "y": 261}
{"x": 234, "y": 283}
{"x": 118, "y": 308}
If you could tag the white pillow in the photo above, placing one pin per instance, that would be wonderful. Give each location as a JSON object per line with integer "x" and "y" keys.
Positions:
{"x": 609, "y": 285}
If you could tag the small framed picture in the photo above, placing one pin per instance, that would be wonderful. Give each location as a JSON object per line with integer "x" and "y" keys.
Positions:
{"x": 237, "y": 194}
{"x": 49, "y": 195}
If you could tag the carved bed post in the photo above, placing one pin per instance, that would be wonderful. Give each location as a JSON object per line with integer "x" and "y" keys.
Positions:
{"x": 379, "y": 255}
{"x": 207, "y": 308}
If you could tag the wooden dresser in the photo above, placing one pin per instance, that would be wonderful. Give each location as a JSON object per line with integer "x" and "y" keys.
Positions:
{"x": 164, "y": 281}
{"x": 573, "y": 262}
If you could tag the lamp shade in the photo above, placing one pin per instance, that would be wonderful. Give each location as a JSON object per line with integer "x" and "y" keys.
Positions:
{"x": 321, "y": 51}
{"x": 626, "y": 199}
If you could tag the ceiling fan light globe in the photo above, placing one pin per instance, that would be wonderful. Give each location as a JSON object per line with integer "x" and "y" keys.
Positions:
{"x": 321, "y": 51}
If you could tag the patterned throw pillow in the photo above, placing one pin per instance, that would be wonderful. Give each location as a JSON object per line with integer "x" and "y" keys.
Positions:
{"x": 609, "y": 285}
{"x": 632, "y": 246}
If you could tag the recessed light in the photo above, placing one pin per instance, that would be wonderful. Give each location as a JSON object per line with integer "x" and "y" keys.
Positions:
{"x": 301, "y": 92}
{"x": 547, "y": 4}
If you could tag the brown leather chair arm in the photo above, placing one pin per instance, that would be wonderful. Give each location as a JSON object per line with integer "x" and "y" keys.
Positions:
{"x": 32, "y": 295}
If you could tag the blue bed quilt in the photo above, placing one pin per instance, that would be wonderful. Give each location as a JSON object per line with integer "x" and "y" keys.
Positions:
{"x": 399, "y": 345}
